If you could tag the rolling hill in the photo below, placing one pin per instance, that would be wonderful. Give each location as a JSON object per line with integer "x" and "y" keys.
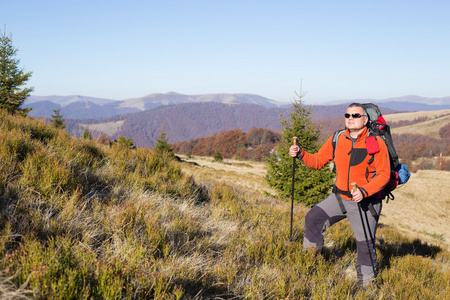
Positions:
{"x": 433, "y": 122}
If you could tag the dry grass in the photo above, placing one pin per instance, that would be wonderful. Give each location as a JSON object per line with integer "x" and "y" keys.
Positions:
{"x": 437, "y": 119}
{"x": 410, "y": 116}
{"x": 428, "y": 128}
{"x": 247, "y": 175}
{"x": 80, "y": 220}
{"x": 421, "y": 207}
{"x": 9, "y": 291}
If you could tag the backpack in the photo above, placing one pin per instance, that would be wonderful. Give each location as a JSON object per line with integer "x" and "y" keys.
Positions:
{"x": 378, "y": 127}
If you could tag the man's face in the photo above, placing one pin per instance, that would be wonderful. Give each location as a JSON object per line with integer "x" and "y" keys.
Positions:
{"x": 355, "y": 124}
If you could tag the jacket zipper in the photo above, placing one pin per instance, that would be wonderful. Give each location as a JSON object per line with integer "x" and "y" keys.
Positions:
{"x": 350, "y": 162}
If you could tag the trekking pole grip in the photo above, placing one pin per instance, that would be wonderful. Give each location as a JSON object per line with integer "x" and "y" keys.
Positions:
{"x": 295, "y": 140}
{"x": 353, "y": 186}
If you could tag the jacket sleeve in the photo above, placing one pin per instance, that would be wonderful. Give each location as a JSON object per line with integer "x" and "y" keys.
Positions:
{"x": 319, "y": 159}
{"x": 382, "y": 170}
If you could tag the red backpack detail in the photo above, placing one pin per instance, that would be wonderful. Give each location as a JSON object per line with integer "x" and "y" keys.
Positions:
{"x": 378, "y": 127}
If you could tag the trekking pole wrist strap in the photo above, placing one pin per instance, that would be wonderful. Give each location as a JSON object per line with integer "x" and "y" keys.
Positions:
{"x": 299, "y": 154}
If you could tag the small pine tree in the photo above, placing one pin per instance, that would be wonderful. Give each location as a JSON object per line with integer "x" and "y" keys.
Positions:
{"x": 311, "y": 185}
{"x": 86, "y": 135}
{"x": 57, "y": 120}
{"x": 125, "y": 143}
{"x": 162, "y": 145}
{"x": 12, "y": 77}
{"x": 217, "y": 157}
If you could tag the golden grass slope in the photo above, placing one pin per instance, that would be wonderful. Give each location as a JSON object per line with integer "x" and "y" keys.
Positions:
{"x": 429, "y": 128}
{"x": 422, "y": 207}
{"x": 410, "y": 116}
{"x": 438, "y": 119}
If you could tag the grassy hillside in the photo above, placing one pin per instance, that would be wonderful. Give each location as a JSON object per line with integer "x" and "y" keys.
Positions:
{"x": 81, "y": 220}
{"x": 434, "y": 120}
{"x": 409, "y": 116}
{"x": 428, "y": 128}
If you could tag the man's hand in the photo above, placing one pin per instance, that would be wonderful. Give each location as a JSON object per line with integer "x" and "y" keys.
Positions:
{"x": 294, "y": 150}
{"x": 357, "y": 195}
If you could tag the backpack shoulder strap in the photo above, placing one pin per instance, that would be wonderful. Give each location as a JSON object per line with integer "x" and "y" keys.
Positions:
{"x": 372, "y": 143}
{"x": 335, "y": 139}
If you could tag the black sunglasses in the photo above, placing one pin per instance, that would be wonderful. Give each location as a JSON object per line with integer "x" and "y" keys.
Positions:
{"x": 354, "y": 116}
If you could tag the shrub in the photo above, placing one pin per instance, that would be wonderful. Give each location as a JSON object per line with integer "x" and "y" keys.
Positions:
{"x": 217, "y": 157}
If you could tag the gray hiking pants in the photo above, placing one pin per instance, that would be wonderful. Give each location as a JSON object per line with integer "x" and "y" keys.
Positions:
{"x": 327, "y": 212}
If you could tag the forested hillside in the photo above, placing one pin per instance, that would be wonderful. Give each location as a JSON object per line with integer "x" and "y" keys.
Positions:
{"x": 183, "y": 122}
{"x": 256, "y": 144}
{"x": 188, "y": 121}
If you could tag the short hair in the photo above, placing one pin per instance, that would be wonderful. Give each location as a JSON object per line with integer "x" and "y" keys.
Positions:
{"x": 355, "y": 104}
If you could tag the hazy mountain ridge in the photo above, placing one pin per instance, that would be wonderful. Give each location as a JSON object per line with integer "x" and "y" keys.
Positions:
{"x": 418, "y": 99}
{"x": 185, "y": 117}
{"x": 66, "y": 100}
{"x": 82, "y": 107}
{"x": 404, "y": 103}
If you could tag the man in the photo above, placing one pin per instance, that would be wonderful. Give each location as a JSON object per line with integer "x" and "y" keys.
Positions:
{"x": 353, "y": 165}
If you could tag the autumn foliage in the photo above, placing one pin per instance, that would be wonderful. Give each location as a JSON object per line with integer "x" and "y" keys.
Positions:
{"x": 256, "y": 144}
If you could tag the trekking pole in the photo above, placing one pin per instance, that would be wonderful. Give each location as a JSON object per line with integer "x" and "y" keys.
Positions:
{"x": 365, "y": 233}
{"x": 293, "y": 188}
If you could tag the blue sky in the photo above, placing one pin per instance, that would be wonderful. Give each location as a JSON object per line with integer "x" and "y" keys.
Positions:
{"x": 337, "y": 49}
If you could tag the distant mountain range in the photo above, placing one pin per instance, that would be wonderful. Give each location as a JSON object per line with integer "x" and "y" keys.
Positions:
{"x": 405, "y": 103}
{"x": 185, "y": 117}
{"x": 408, "y": 99}
{"x": 82, "y": 107}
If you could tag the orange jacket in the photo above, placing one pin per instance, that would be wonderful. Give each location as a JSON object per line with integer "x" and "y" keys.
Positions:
{"x": 352, "y": 163}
